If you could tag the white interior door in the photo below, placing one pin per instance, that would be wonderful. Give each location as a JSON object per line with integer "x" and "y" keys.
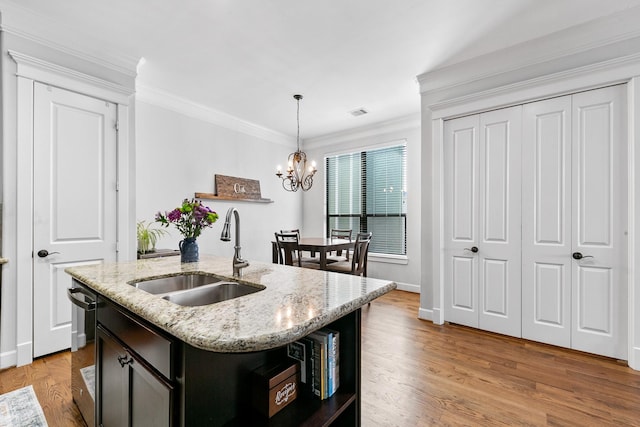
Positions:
{"x": 574, "y": 202}
{"x": 461, "y": 151}
{"x": 74, "y": 209}
{"x": 482, "y": 221}
{"x": 499, "y": 282}
{"x": 599, "y": 221}
{"x": 546, "y": 227}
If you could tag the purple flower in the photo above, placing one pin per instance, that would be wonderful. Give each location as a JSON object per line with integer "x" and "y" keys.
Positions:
{"x": 174, "y": 215}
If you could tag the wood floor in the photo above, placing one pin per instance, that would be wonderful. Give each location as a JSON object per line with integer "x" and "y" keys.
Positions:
{"x": 415, "y": 373}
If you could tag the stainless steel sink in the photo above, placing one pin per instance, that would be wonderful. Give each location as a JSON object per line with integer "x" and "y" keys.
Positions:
{"x": 210, "y": 294}
{"x": 180, "y": 282}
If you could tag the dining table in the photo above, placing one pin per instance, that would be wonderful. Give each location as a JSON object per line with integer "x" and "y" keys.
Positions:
{"x": 321, "y": 245}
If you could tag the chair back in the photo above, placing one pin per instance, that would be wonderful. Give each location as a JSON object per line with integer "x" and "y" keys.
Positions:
{"x": 361, "y": 254}
{"x": 288, "y": 249}
{"x": 295, "y": 230}
{"x": 337, "y": 233}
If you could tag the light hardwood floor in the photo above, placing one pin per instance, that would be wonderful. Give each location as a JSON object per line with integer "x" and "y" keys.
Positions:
{"x": 415, "y": 373}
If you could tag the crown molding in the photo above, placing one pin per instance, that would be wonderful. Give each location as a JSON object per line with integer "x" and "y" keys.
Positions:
{"x": 590, "y": 76}
{"x": 411, "y": 121}
{"x": 207, "y": 114}
{"x": 596, "y": 41}
{"x": 25, "y": 24}
{"x": 54, "y": 74}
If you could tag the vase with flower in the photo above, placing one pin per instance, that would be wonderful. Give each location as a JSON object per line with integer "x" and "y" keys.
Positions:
{"x": 189, "y": 218}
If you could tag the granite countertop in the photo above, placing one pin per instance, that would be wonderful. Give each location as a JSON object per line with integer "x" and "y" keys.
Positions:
{"x": 294, "y": 302}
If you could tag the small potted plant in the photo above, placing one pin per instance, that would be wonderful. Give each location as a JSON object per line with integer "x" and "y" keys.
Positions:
{"x": 148, "y": 236}
{"x": 189, "y": 218}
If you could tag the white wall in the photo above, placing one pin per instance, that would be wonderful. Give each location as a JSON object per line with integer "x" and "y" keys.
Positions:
{"x": 178, "y": 155}
{"x": 406, "y": 273}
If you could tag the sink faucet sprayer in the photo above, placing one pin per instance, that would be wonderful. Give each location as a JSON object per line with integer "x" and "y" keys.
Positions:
{"x": 238, "y": 262}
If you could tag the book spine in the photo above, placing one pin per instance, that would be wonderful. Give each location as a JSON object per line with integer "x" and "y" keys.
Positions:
{"x": 316, "y": 367}
{"x": 330, "y": 362}
{"x": 336, "y": 360}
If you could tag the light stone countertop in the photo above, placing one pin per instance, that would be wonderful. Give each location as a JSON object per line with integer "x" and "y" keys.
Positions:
{"x": 3, "y": 260}
{"x": 295, "y": 301}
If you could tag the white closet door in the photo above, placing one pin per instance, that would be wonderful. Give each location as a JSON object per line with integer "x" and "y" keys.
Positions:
{"x": 499, "y": 285}
{"x": 482, "y": 221}
{"x": 599, "y": 219}
{"x": 461, "y": 148}
{"x": 546, "y": 231}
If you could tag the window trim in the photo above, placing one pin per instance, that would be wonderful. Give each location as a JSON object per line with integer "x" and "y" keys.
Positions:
{"x": 380, "y": 257}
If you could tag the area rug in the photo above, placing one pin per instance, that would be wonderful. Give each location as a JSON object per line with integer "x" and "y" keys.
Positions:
{"x": 20, "y": 408}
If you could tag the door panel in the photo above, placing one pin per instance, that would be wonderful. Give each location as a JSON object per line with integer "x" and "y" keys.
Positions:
{"x": 599, "y": 222}
{"x": 546, "y": 235}
{"x": 499, "y": 215}
{"x": 74, "y": 202}
{"x": 548, "y": 287}
{"x": 461, "y": 220}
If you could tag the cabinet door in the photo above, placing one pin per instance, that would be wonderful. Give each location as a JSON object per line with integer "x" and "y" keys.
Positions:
{"x": 151, "y": 397}
{"x": 112, "y": 389}
{"x": 128, "y": 393}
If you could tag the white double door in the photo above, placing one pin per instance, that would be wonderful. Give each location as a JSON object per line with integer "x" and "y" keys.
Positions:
{"x": 74, "y": 202}
{"x": 553, "y": 198}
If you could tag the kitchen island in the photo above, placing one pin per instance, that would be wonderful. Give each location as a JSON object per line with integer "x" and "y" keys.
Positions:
{"x": 197, "y": 361}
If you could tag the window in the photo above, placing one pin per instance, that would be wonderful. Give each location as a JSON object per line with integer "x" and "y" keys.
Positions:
{"x": 366, "y": 192}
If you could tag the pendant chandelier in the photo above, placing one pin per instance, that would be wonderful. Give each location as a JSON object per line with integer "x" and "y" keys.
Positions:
{"x": 297, "y": 175}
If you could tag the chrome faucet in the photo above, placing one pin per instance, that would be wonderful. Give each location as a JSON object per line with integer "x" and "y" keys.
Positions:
{"x": 238, "y": 262}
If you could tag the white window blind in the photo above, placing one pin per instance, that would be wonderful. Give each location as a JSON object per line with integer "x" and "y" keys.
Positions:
{"x": 366, "y": 192}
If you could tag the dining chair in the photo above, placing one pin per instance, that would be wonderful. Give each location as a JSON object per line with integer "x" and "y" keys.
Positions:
{"x": 358, "y": 264}
{"x": 289, "y": 250}
{"x": 313, "y": 257}
{"x": 337, "y": 233}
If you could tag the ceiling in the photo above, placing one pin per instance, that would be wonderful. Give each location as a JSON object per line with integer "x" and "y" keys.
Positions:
{"x": 247, "y": 58}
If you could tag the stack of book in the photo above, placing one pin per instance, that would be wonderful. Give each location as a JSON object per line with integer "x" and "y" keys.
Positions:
{"x": 319, "y": 356}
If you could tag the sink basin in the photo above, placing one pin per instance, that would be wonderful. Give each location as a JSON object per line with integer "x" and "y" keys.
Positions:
{"x": 180, "y": 282}
{"x": 210, "y": 294}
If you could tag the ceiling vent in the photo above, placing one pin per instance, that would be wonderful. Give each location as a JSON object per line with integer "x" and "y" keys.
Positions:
{"x": 358, "y": 112}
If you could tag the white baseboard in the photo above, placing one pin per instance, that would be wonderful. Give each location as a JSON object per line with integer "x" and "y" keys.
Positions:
{"x": 408, "y": 287}
{"x": 24, "y": 354}
{"x": 634, "y": 359}
{"x": 8, "y": 359}
{"x": 425, "y": 314}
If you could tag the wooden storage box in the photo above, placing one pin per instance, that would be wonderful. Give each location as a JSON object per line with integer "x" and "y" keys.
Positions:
{"x": 274, "y": 387}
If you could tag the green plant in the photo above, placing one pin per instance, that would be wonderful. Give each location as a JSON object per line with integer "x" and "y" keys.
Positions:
{"x": 148, "y": 236}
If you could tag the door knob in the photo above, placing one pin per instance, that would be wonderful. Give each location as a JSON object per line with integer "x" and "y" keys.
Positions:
{"x": 473, "y": 249}
{"x": 578, "y": 255}
{"x": 43, "y": 253}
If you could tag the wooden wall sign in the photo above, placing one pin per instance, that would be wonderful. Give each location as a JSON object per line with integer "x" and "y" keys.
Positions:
{"x": 241, "y": 188}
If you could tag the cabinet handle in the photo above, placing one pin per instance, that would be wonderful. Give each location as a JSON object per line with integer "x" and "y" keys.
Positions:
{"x": 473, "y": 249}
{"x": 578, "y": 255}
{"x": 125, "y": 360}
